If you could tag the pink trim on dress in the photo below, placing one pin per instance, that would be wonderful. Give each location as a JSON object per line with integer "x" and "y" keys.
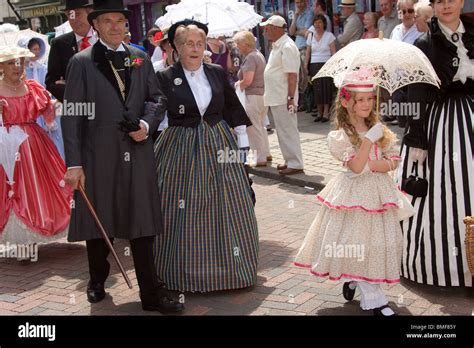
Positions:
{"x": 344, "y": 207}
{"x": 388, "y": 281}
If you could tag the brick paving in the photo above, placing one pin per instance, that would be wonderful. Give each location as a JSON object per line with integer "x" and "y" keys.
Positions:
{"x": 56, "y": 283}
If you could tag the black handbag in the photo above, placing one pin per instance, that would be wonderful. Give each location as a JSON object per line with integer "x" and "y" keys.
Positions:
{"x": 414, "y": 185}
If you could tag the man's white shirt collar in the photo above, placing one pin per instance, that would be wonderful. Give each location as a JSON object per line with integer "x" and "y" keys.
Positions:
{"x": 119, "y": 49}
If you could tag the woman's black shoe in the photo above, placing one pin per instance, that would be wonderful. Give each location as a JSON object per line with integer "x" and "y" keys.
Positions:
{"x": 317, "y": 119}
{"x": 347, "y": 292}
{"x": 324, "y": 119}
{"x": 378, "y": 311}
{"x": 163, "y": 304}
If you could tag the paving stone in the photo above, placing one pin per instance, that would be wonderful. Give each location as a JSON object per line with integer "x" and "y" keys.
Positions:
{"x": 57, "y": 283}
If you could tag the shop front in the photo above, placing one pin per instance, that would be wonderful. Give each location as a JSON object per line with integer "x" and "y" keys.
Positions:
{"x": 40, "y": 15}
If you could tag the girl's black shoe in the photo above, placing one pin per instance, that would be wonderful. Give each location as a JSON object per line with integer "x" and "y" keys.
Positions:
{"x": 347, "y": 292}
{"x": 378, "y": 311}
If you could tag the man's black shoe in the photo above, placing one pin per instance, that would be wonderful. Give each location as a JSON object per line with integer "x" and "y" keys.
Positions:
{"x": 95, "y": 292}
{"x": 164, "y": 304}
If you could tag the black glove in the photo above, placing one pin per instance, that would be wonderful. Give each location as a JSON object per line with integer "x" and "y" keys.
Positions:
{"x": 129, "y": 124}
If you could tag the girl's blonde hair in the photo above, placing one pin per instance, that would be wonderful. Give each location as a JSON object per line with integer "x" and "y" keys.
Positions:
{"x": 342, "y": 121}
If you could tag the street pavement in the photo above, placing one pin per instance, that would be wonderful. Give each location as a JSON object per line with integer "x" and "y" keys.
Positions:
{"x": 56, "y": 283}
{"x": 319, "y": 164}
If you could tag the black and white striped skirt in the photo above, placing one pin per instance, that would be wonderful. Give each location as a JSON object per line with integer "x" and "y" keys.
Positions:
{"x": 434, "y": 251}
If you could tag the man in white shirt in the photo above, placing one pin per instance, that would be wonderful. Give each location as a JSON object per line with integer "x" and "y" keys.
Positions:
{"x": 389, "y": 19}
{"x": 281, "y": 81}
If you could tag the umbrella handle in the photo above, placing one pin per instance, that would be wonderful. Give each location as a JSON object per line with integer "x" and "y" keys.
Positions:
{"x": 3, "y": 103}
{"x": 378, "y": 100}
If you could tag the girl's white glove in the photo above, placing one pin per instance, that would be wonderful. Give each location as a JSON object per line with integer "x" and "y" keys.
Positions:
{"x": 375, "y": 133}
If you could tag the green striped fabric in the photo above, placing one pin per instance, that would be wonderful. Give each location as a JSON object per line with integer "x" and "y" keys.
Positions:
{"x": 210, "y": 239}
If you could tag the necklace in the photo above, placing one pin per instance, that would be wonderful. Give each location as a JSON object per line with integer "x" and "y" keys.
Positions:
{"x": 15, "y": 87}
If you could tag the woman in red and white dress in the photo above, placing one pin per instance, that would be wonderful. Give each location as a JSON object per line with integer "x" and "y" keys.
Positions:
{"x": 35, "y": 205}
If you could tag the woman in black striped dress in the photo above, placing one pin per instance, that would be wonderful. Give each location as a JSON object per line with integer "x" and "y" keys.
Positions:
{"x": 439, "y": 144}
{"x": 210, "y": 238}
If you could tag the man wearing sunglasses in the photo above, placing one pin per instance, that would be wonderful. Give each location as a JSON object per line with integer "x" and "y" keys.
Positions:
{"x": 389, "y": 18}
{"x": 406, "y": 31}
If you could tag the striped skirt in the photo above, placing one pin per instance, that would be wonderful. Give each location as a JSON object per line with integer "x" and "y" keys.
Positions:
{"x": 210, "y": 239}
{"x": 434, "y": 251}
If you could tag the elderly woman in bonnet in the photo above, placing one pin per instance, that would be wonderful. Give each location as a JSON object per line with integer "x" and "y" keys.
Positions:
{"x": 438, "y": 147}
{"x": 34, "y": 202}
{"x": 210, "y": 239}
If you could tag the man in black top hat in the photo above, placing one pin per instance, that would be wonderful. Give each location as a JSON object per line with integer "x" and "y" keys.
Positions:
{"x": 65, "y": 46}
{"x": 111, "y": 154}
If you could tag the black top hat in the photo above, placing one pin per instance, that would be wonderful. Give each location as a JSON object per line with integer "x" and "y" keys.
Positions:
{"x": 107, "y": 6}
{"x": 75, "y": 4}
{"x": 186, "y": 22}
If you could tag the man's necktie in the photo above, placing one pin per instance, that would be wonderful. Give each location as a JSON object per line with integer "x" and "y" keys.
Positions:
{"x": 84, "y": 43}
{"x": 117, "y": 61}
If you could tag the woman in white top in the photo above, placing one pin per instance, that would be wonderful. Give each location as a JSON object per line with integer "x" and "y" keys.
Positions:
{"x": 320, "y": 46}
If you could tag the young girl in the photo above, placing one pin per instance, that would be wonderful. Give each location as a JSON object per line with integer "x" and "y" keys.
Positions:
{"x": 356, "y": 234}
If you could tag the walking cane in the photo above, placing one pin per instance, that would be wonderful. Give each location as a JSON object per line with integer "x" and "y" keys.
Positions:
{"x": 104, "y": 235}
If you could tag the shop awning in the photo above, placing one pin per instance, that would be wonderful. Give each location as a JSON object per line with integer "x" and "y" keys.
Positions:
{"x": 40, "y": 10}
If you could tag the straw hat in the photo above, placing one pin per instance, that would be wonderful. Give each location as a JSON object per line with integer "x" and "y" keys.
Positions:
{"x": 347, "y": 3}
{"x": 13, "y": 52}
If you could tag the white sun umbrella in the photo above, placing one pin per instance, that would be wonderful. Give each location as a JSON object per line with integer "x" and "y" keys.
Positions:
{"x": 12, "y": 38}
{"x": 10, "y": 141}
{"x": 8, "y": 27}
{"x": 223, "y": 17}
{"x": 395, "y": 64}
